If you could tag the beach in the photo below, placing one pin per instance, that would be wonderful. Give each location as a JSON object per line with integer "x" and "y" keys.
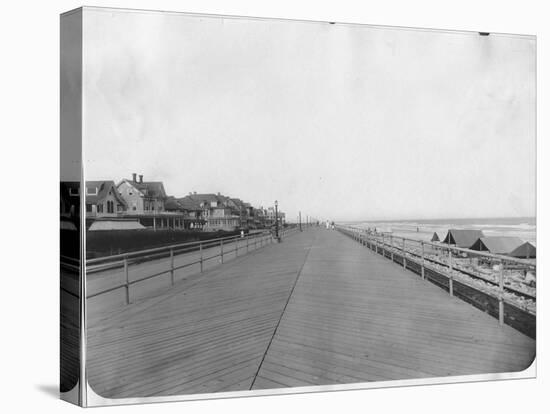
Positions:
{"x": 522, "y": 227}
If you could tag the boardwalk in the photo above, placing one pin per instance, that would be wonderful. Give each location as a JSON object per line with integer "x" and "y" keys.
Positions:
{"x": 316, "y": 309}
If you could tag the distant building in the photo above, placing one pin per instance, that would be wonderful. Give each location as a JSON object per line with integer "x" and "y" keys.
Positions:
{"x": 142, "y": 197}
{"x": 245, "y": 212}
{"x": 270, "y": 217}
{"x": 103, "y": 199}
{"x": 190, "y": 210}
{"x": 259, "y": 218}
{"x": 217, "y": 210}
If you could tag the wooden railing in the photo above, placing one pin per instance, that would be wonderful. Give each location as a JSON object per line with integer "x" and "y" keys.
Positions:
{"x": 207, "y": 250}
{"x": 442, "y": 265}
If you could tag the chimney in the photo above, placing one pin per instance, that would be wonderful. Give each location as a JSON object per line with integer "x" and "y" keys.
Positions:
{"x": 134, "y": 177}
{"x": 141, "y": 178}
{"x": 194, "y": 192}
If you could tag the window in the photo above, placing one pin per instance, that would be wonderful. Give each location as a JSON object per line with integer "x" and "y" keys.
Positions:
{"x": 100, "y": 208}
{"x": 74, "y": 192}
{"x": 91, "y": 190}
{"x": 110, "y": 206}
{"x": 88, "y": 208}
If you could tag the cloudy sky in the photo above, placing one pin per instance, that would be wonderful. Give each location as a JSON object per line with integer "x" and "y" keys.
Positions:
{"x": 339, "y": 121}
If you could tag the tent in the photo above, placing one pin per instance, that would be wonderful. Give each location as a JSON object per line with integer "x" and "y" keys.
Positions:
{"x": 497, "y": 244}
{"x": 462, "y": 238}
{"x": 525, "y": 251}
{"x": 435, "y": 237}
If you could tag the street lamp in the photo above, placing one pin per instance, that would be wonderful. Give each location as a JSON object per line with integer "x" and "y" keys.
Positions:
{"x": 276, "y": 221}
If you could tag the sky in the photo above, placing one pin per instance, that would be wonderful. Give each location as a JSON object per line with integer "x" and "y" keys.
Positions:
{"x": 340, "y": 122}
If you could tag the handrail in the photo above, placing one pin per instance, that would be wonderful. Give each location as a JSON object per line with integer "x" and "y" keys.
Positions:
{"x": 122, "y": 260}
{"x": 365, "y": 237}
{"x": 497, "y": 257}
{"x": 164, "y": 248}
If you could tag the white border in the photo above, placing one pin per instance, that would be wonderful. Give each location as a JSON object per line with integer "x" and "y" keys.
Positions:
{"x": 92, "y": 399}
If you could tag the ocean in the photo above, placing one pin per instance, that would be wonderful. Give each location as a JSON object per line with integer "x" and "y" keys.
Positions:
{"x": 522, "y": 227}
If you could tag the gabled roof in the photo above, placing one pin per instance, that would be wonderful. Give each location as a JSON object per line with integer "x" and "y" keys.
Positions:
{"x": 189, "y": 203}
{"x": 209, "y": 198}
{"x": 435, "y": 237}
{"x": 462, "y": 238}
{"x": 150, "y": 189}
{"x": 103, "y": 188}
{"x": 497, "y": 244}
{"x": 172, "y": 204}
{"x": 524, "y": 251}
{"x": 240, "y": 204}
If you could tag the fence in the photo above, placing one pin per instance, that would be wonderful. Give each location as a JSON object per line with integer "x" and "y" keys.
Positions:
{"x": 197, "y": 252}
{"x": 494, "y": 283}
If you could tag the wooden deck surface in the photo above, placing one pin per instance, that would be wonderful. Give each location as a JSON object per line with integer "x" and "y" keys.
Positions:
{"x": 316, "y": 309}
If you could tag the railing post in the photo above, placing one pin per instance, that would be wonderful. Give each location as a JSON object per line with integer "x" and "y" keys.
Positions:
{"x": 172, "y": 266}
{"x": 422, "y": 268}
{"x": 501, "y": 294}
{"x": 221, "y": 249}
{"x": 236, "y": 247}
{"x": 391, "y": 242}
{"x": 450, "y": 271}
{"x": 404, "y": 258}
{"x": 200, "y": 249}
{"x": 383, "y": 244}
{"x": 127, "y": 276}
{"x": 247, "y": 237}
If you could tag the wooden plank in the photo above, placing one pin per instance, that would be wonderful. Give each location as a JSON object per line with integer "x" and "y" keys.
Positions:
{"x": 355, "y": 313}
{"x": 353, "y": 316}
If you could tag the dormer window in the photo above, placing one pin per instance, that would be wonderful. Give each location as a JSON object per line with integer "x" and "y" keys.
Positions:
{"x": 74, "y": 192}
{"x": 91, "y": 190}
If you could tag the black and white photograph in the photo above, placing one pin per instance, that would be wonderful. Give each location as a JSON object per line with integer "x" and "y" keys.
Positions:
{"x": 276, "y": 206}
{"x": 256, "y": 206}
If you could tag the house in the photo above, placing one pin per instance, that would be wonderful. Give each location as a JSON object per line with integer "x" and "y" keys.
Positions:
{"x": 462, "y": 238}
{"x": 270, "y": 217}
{"x": 217, "y": 210}
{"x": 245, "y": 212}
{"x": 259, "y": 218}
{"x": 103, "y": 199}
{"x": 524, "y": 251}
{"x": 190, "y": 210}
{"x": 497, "y": 244}
{"x": 142, "y": 197}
